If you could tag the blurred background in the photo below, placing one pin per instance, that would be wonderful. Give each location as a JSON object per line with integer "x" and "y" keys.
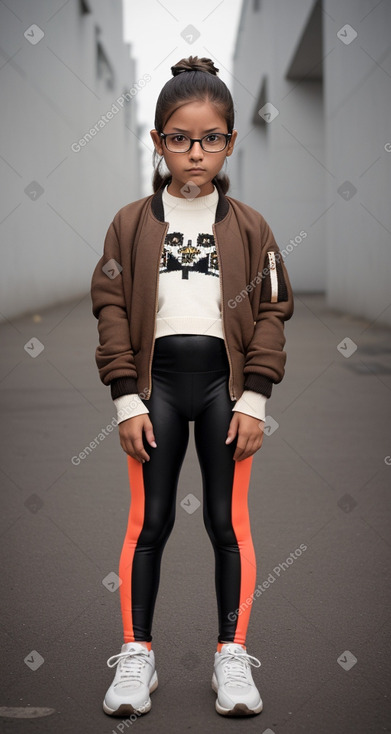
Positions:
{"x": 311, "y": 83}
{"x": 319, "y": 164}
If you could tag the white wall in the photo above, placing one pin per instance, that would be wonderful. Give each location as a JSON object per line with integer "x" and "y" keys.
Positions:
{"x": 278, "y": 167}
{"x": 329, "y": 130}
{"x": 358, "y": 114}
{"x": 51, "y": 96}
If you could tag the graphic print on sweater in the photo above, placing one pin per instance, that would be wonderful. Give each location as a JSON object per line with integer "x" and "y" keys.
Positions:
{"x": 200, "y": 258}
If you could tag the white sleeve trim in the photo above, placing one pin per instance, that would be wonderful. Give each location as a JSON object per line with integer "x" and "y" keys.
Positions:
{"x": 128, "y": 406}
{"x": 252, "y": 403}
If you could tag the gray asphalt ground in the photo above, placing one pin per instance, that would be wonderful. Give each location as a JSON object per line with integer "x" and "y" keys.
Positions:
{"x": 321, "y": 479}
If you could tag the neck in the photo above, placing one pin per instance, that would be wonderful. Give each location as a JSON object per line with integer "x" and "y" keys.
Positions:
{"x": 189, "y": 191}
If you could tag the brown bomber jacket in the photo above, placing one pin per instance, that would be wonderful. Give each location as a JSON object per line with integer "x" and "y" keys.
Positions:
{"x": 256, "y": 296}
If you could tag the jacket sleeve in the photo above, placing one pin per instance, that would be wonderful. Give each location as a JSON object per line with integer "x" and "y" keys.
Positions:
{"x": 114, "y": 355}
{"x": 265, "y": 357}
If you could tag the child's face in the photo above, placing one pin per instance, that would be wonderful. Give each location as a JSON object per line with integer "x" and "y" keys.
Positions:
{"x": 194, "y": 119}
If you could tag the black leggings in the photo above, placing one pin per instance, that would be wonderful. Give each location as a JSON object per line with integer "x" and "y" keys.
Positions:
{"x": 189, "y": 383}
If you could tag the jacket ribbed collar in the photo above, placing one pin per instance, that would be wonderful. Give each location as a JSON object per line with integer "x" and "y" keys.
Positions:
{"x": 221, "y": 209}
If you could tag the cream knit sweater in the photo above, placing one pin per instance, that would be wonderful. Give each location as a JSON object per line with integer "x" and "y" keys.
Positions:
{"x": 189, "y": 299}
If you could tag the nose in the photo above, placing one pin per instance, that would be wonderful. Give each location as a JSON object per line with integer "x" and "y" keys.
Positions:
{"x": 196, "y": 152}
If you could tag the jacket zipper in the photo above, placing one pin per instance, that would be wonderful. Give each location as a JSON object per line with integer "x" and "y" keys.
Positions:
{"x": 273, "y": 276}
{"x": 230, "y": 382}
{"x": 156, "y": 302}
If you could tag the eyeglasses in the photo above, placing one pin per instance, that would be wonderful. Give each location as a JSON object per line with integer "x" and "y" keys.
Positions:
{"x": 212, "y": 143}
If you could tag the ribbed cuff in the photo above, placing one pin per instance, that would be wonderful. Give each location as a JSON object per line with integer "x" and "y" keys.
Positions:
{"x": 123, "y": 386}
{"x": 258, "y": 383}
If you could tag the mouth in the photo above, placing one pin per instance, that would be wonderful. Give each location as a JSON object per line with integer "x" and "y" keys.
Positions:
{"x": 196, "y": 170}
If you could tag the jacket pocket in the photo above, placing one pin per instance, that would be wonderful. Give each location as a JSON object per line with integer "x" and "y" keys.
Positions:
{"x": 274, "y": 286}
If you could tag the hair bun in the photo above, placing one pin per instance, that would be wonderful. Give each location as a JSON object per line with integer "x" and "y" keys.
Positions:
{"x": 193, "y": 63}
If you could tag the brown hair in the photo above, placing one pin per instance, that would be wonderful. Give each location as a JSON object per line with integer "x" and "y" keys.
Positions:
{"x": 193, "y": 79}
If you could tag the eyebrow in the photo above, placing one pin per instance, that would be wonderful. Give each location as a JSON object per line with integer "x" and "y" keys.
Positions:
{"x": 180, "y": 130}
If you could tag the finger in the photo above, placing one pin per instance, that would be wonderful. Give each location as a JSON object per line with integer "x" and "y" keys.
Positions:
{"x": 139, "y": 449}
{"x": 254, "y": 446}
{"x": 127, "y": 446}
{"x": 240, "y": 451}
{"x": 135, "y": 448}
{"x": 247, "y": 447}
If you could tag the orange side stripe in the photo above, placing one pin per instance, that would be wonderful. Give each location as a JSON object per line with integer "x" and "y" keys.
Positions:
{"x": 242, "y": 530}
{"x": 134, "y": 528}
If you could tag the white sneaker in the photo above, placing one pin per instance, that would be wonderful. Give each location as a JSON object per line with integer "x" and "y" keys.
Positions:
{"x": 237, "y": 694}
{"x": 135, "y": 678}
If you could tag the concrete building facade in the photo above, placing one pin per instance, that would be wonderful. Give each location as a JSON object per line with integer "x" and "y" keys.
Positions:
{"x": 69, "y": 155}
{"x": 312, "y": 92}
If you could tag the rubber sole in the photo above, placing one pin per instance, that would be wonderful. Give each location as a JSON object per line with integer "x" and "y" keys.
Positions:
{"x": 240, "y": 709}
{"x": 126, "y": 709}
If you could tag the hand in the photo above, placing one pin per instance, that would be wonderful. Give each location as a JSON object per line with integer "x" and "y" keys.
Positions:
{"x": 250, "y": 434}
{"x": 131, "y": 436}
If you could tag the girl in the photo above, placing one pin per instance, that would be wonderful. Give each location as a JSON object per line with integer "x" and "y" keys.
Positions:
{"x": 191, "y": 295}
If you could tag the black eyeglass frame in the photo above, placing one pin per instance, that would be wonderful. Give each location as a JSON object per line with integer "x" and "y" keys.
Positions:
{"x": 227, "y": 136}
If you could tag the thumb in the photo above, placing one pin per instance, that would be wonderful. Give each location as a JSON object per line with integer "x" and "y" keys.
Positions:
{"x": 232, "y": 431}
{"x": 149, "y": 434}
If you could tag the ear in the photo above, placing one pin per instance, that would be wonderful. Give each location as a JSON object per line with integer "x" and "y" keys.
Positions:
{"x": 231, "y": 144}
{"x": 157, "y": 141}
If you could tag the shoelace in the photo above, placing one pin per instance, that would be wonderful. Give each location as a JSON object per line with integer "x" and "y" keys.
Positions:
{"x": 130, "y": 665}
{"x": 236, "y": 667}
